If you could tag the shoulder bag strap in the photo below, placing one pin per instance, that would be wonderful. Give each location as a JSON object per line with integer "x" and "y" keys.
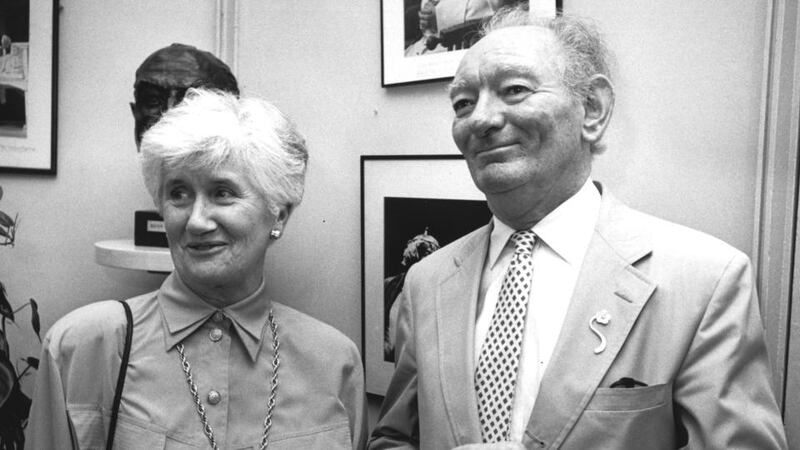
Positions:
{"x": 121, "y": 377}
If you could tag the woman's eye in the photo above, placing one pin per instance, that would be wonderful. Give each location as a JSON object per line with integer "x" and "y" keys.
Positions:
{"x": 178, "y": 195}
{"x": 225, "y": 194}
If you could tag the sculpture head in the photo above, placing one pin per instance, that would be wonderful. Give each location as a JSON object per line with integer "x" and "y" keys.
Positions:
{"x": 164, "y": 76}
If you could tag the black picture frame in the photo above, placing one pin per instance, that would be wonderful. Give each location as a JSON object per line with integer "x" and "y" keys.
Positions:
{"x": 408, "y": 202}
{"x": 28, "y": 125}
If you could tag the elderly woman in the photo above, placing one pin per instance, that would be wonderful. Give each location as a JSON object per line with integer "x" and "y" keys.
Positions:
{"x": 214, "y": 362}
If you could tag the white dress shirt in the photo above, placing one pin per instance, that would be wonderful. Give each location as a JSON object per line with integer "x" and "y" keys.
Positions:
{"x": 562, "y": 240}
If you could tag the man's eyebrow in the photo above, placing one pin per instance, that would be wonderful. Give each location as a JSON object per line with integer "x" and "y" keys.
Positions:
{"x": 517, "y": 70}
{"x": 455, "y": 86}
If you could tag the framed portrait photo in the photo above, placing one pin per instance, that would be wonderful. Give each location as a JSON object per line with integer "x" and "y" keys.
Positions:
{"x": 28, "y": 77}
{"x": 410, "y": 207}
{"x": 424, "y": 40}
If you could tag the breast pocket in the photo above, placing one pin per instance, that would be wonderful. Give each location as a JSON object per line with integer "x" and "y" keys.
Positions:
{"x": 334, "y": 437}
{"x": 131, "y": 434}
{"x": 90, "y": 423}
{"x": 630, "y": 399}
{"x": 626, "y": 418}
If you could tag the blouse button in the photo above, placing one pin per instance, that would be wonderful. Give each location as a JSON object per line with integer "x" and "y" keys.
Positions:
{"x": 215, "y": 334}
{"x": 214, "y": 397}
{"x": 218, "y": 317}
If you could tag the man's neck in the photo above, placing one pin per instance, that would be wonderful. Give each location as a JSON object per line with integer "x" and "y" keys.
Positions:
{"x": 521, "y": 209}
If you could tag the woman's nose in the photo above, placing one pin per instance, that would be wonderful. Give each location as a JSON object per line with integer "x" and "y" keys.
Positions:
{"x": 201, "y": 218}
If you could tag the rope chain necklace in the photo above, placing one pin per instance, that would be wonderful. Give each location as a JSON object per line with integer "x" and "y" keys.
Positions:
{"x": 201, "y": 410}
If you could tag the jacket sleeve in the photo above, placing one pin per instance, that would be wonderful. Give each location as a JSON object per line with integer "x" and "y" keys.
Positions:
{"x": 398, "y": 422}
{"x": 354, "y": 399}
{"x": 722, "y": 393}
{"x": 48, "y": 424}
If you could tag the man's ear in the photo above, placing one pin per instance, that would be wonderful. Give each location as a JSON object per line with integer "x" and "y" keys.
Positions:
{"x": 136, "y": 114}
{"x": 598, "y": 105}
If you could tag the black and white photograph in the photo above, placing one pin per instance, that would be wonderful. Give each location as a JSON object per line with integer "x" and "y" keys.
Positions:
{"x": 411, "y": 205}
{"x": 14, "y": 32}
{"x": 423, "y": 40}
{"x": 413, "y": 229}
{"x": 28, "y": 49}
{"x": 367, "y": 225}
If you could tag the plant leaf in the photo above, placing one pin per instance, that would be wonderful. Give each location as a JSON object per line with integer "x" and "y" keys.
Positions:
{"x": 3, "y": 232}
{"x": 5, "y": 307}
{"x": 6, "y": 220}
{"x": 7, "y": 379}
{"x": 4, "y": 351}
{"x": 35, "y": 318}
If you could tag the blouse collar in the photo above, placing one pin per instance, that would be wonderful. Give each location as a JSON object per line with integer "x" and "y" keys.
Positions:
{"x": 184, "y": 312}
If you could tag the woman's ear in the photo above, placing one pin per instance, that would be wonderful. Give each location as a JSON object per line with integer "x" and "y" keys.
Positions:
{"x": 598, "y": 105}
{"x": 280, "y": 220}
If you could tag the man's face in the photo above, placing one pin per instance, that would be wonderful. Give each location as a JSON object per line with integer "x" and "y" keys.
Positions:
{"x": 164, "y": 77}
{"x": 515, "y": 122}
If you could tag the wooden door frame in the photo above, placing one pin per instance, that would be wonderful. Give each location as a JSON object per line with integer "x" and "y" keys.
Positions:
{"x": 776, "y": 235}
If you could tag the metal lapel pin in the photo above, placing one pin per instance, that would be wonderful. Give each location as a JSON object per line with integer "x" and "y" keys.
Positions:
{"x": 603, "y": 318}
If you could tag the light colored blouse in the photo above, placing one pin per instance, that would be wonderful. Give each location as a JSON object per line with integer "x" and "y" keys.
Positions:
{"x": 320, "y": 394}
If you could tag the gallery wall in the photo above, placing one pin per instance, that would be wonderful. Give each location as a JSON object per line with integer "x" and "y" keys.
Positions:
{"x": 683, "y": 143}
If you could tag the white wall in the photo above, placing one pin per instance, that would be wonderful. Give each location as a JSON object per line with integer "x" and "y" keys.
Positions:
{"x": 683, "y": 142}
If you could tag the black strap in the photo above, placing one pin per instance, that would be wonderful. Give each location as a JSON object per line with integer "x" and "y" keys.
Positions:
{"x": 112, "y": 426}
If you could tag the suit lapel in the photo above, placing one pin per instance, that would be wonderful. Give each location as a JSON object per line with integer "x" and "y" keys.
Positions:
{"x": 456, "y": 302}
{"x": 607, "y": 282}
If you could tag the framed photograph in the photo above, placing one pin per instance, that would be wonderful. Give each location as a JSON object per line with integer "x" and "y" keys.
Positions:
{"x": 410, "y": 207}
{"x": 28, "y": 79}
{"x": 424, "y": 40}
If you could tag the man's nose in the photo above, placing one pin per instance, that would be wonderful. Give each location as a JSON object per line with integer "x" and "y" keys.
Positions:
{"x": 201, "y": 218}
{"x": 487, "y": 115}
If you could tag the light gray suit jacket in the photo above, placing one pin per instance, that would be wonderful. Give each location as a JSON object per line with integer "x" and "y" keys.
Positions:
{"x": 684, "y": 320}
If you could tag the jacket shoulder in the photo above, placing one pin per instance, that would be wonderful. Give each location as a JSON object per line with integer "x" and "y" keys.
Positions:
{"x": 671, "y": 238}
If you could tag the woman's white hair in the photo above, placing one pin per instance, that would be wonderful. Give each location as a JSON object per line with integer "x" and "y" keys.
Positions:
{"x": 210, "y": 128}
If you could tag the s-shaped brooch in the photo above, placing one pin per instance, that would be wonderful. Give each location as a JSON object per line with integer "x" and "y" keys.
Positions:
{"x": 603, "y": 318}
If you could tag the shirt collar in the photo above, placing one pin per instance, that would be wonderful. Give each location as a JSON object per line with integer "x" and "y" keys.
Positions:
{"x": 566, "y": 230}
{"x": 184, "y": 312}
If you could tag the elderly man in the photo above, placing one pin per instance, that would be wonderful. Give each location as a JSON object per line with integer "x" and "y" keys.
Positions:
{"x": 569, "y": 321}
{"x": 164, "y": 77}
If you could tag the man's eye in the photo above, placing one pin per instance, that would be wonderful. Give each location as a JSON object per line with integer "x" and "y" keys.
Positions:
{"x": 516, "y": 90}
{"x": 460, "y": 105}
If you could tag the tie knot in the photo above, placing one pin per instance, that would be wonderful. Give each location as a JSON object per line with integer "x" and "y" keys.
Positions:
{"x": 523, "y": 241}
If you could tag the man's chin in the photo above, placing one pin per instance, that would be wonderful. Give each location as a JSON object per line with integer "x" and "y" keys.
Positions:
{"x": 497, "y": 182}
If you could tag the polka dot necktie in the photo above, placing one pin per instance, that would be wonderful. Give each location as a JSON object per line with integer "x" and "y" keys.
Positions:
{"x": 496, "y": 375}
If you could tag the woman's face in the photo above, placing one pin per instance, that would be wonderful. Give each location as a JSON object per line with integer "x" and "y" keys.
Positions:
{"x": 218, "y": 227}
